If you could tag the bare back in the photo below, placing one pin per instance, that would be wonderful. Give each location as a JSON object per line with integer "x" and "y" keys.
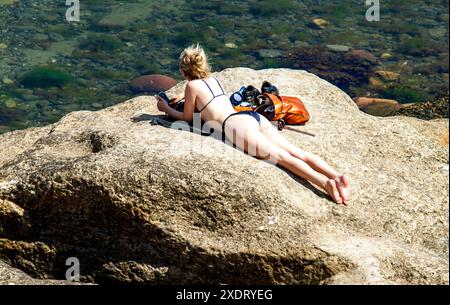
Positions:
{"x": 212, "y": 108}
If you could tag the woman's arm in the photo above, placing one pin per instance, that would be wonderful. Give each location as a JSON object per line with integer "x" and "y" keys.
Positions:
{"x": 175, "y": 100}
{"x": 189, "y": 106}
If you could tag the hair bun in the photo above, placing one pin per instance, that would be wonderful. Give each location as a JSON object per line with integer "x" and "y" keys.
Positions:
{"x": 186, "y": 60}
{"x": 196, "y": 59}
{"x": 194, "y": 62}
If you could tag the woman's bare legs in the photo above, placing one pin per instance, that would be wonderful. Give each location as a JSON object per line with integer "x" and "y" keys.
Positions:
{"x": 314, "y": 161}
{"x": 244, "y": 132}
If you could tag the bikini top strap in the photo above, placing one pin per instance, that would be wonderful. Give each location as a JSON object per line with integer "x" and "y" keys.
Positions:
{"x": 220, "y": 85}
{"x": 209, "y": 87}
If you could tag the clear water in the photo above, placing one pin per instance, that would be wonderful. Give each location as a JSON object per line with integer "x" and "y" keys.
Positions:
{"x": 49, "y": 66}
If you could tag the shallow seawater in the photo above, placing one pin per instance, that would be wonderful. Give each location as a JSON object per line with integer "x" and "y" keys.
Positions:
{"x": 50, "y": 66}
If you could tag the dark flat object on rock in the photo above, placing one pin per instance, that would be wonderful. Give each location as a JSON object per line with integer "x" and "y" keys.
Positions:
{"x": 169, "y": 122}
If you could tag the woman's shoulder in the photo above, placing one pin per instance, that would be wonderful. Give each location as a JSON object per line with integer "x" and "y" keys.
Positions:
{"x": 196, "y": 83}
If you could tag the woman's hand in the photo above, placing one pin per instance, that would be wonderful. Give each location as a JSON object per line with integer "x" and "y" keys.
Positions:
{"x": 175, "y": 100}
{"x": 162, "y": 104}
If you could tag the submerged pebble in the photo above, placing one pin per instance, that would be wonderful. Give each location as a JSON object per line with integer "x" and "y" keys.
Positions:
{"x": 7, "y": 81}
{"x": 338, "y": 48}
{"x": 10, "y": 103}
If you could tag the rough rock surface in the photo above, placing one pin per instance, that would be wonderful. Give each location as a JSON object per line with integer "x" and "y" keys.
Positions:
{"x": 14, "y": 276}
{"x": 435, "y": 109}
{"x": 138, "y": 203}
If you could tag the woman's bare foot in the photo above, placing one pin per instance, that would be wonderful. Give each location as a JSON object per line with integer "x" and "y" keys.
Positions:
{"x": 333, "y": 191}
{"x": 343, "y": 188}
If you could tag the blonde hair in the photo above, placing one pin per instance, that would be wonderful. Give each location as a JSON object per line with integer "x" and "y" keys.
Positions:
{"x": 194, "y": 62}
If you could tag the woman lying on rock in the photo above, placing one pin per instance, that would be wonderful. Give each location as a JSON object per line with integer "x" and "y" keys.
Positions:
{"x": 248, "y": 130}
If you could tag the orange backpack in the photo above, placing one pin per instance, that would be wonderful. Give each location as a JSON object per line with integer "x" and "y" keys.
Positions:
{"x": 283, "y": 109}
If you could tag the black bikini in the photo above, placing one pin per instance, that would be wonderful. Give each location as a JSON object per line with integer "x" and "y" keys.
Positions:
{"x": 212, "y": 92}
{"x": 248, "y": 112}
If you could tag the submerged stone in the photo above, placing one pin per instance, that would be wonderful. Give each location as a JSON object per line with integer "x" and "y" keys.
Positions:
{"x": 269, "y": 53}
{"x": 319, "y": 23}
{"x": 152, "y": 83}
{"x": 338, "y": 48}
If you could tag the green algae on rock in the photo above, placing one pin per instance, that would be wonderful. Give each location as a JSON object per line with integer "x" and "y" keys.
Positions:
{"x": 46, "y": 76}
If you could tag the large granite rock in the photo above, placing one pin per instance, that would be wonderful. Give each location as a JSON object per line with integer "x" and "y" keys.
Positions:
{"x": 138, "y": 203}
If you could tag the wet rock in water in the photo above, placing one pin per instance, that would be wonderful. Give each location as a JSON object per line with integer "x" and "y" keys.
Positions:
{"x": 338, "y": 48}
{"x": 376, "y": 83}
{"x": 435, "y": 109}
{"x": 388, "y": 75}
{"x": 7, "y": 81}
{"x": 137, "y": 203}
{"x": 230, "y": 45}
{"x": 10, "y": 103}
{"x": 364, "y": 55}
{"x": 438, "y": 32}
{"x": 344, "y": 70}
{"x": 40, "y": 37}
{"x": 386, "y": 56}
{"x": 318, "y": 23}
{"x": 3, "y": 45}
{"x": 97, "y": 105}
{"x": 377, "y": 106}
{"x": 269, "y": 53}
{"x": 152, "y": 83}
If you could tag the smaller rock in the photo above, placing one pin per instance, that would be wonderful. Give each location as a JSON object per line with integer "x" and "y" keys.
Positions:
{"x": 438, "y": 32}
{"x": 10, "y": 103}
{"x": 3, "y": 46}
{"x": 434, "y": 109}
{"x": 40, "y": 37}
{"x": 376, "y": 83}
{"x": 386, "y": 55}
{"x": 231, "y": 45}
{"x": 30, "y": 97}
{"x": 97, "y": 105}
{"x": 377, "y": 106}
{"x": 269, "y": 53}
{"x": 338, "y": 48}
{"x": 388, "y": 75}
{"x": 152, "y": 83}
{"x": 7, "y": 81}
{"x": 319, "y": 23}
{"x": 364, "y": 55}
{"x": 165, "y": 61}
